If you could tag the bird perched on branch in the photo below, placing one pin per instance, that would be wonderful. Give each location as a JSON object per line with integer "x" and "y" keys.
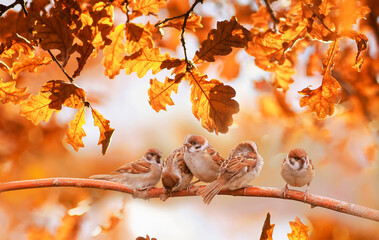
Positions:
{"x": 138, "y": 175}
{"x": 201, "y": 158}
{"x": 176, "y": 176}
{"x": 297, "y": 170}
{"x": 237, "y": 171}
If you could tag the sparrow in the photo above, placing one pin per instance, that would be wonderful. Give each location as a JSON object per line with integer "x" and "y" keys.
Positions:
{"x": 237, "y": 171}
{"x": 297, "y": 170}
{"x": 201, "y": 158}
{"x": 138, "y": 175}
{"x": 175, "y": 174}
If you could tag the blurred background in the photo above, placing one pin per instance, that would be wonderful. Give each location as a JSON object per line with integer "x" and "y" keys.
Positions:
{"x": 343, "y": 148}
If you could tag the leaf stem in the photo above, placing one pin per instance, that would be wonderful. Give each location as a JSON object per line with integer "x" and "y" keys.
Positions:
{"x": 312, "y": 199}
{"x": 271, "y": 12}
{"x": 60, "y": 66}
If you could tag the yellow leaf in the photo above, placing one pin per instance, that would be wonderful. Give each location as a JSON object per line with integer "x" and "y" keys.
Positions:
{"x": 75, "y": 131}
{"x": 193, "y": 22}
{"x": 145, "y": 59}
{"x": 221, "y": 40}
{"x": 137, "y": 37}
{"x": 299, "y": 230}
{"x": 37, "y": 108}
{"x": 16, "y": 46}
{"x": 113, "y": 52}
{"x": 9, "y": 92}
{"x": 267, "y": 229}
{"x": 62, "y": 93}
{"x": 160, "y": 93}
{"x": 105, "y": 130}
{"x": 361, "y": 41}
{"x": 30, "y": 64}
{"x": 146, "y": 7}
{"x": 212, "y": 102}
{"x": 322, "y": 99}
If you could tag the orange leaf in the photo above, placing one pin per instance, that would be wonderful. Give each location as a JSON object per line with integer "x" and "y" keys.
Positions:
{"x": 212, "y": 102}
{"x": 361, "y": 41}
{"x": 267, "y": 229}
{"x": 105, "y": 130}
{"x": 9, "y": 92}
{"x": 75, "y": 131}
{"x": 146, "y": 7}
{"x": 221, "y": 40}
{"x": 231, "y": 67}
{"x": 113, "y": 52}
{"x": 69, "y": 228}
{"x": 160, "y": 93}
{"x": 322, "y": 99}
{"x": 299, "y": 230}
{"x": 15, "y": 46}
{"x": 193, "y": 22}
{"x": 145, "y": 238}
{"x": 30, "y": 64}
{"x": 145, "y": 59}
{"x": 62, "y": 93}
{"x": 137, "y": 37}
{"x": 37, "y": 108}
{"x": 54, "y": 33}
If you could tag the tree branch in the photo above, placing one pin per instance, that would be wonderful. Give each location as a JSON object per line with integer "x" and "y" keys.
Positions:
{"x": 312, "y": 199}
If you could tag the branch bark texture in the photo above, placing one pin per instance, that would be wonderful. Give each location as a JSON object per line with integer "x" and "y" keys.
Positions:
{"x": 312, "y": 199}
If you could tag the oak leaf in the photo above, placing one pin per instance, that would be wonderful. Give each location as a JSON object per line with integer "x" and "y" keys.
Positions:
{"x": 30, "y": 64}
{"x": 113, "y": 52}
{"x": 322, "y": 99}
{"x": 105, "y": 130}
{"x": 37, "y": 108}
{"x": 9, "y": 92}
{"x": 145, "y": 59}
{"x": 361, "y": 41}
{"x": 63, "y": 93}
{"x": 160, "y": 93}
{"x": 15, "y": 46}
{"x": 145, "y": 7}
{"x": 137, "y": 37}
{"x": 193, "y": 22}
{"x": 267, "y": 229}
{"x": 220, "y": 41}
{"x": 75, "y": 131}
{"x": 299, "y": 230}
{"x": 212, "y": 102}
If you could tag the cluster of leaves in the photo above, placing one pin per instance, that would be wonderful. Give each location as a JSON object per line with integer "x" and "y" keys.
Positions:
{"x": 275, "y": 40}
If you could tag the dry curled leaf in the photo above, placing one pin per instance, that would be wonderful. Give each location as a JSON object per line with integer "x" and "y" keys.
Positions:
{"x": 75, "y": 131}
{"x": 361, "y": 41}
{"x": 9, "y": 92}
{"x": 30, "y": 64}
{"x": 105, "y": 130}
{"x": 212, "y": 102}
{"x": 299, "y": 230}
{"x": 113, "y": 52}
{"x": 267, "y": 229}
{"x": 322, "y": 99}
{"x": 220, "y": 41}
{"x": 160, "y": 93}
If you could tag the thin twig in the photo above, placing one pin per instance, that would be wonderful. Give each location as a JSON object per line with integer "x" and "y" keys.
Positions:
{"x": 317, "y": 16}
{"x": 126, "y": 2}
{"x": 312, "y": 199}
{"x": 271, "y": 12}
{"x": 60, "y": 66}
{"x": 183, "y": 29}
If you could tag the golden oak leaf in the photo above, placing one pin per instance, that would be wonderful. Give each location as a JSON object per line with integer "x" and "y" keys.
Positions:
{"x": 212, "y": 102}
{"x": 322, "y": 99}
{"x": 299, "y": 230}
{"x": 75, "y": 131}
{"x": 54, "y": 33}
{"x": 350, "y": 12}
{"x": 145, "y": 7}
{"x": 193, "y": 22}
{"x": 145, "y": 59}
{"x": 113, "y": 52}
{"x": 361, "y": 41}
{"x": 15, "y": 46}
{"x": 37, "y": 108}
{"x": 267, "y": 229}
{"x": 63, "y": 93}
{"x": 221, "y": 40}
{"x": 137, "y": 37}
{"x": 160, "y": 93}
{"x": 105, "y": 130}
{"x": 261, "y": 19}
{"x": 9, "y": 92}
{"x": 30, "y": 64}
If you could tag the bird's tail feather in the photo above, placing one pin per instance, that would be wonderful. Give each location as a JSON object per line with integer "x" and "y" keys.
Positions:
{"x": 107, "y": 177}
{"x": 210, "y": 191}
